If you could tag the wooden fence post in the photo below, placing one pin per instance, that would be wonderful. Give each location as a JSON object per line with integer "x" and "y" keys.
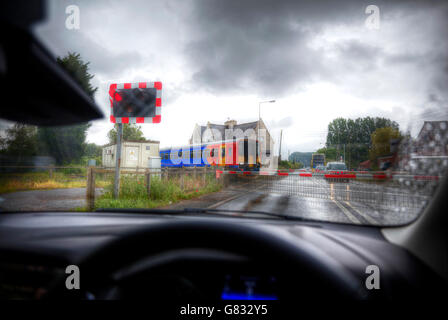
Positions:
{"x": 148, "y": 182}
{"x": 90, "y": 188}
{"x": 182, "y": 173}
{"x": 222, "y": 179}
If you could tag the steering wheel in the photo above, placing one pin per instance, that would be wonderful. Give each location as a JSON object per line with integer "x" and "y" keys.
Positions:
{"x": 307, "y": 271}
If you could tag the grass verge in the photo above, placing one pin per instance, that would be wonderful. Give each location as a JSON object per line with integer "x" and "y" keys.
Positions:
{"x": 163, "y": 192}
{"x": 41, "y": 181}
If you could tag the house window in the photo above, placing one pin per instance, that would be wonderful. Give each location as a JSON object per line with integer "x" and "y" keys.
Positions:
{"x": 148, "y": 147}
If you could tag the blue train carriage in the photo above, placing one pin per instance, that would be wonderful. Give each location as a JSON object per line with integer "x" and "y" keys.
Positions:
{"x": 187, "y": 156}
{"x": 229, "y": 154}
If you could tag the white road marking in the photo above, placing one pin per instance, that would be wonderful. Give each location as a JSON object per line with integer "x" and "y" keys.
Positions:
{"x": 331, "y": 192}
{"x": 350, "y": 216}
{"x": 364, "y": 215}
{"x": 213, "y": 206}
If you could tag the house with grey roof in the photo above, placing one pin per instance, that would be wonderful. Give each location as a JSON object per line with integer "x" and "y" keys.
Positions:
{"x": 216, "y": 132}
{"x": 432, "y": 139}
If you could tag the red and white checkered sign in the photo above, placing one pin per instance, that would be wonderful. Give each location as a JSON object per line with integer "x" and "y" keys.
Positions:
{"x": 158, "y": 103}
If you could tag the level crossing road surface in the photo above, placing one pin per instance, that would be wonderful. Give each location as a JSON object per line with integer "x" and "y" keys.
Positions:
{"x": 316, "y": 200}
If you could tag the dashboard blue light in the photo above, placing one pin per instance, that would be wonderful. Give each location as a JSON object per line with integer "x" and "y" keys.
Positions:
{"x": 243, "y": 296}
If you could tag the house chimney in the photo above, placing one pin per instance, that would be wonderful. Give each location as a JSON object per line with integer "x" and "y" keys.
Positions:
{"x": 230, "y": 124}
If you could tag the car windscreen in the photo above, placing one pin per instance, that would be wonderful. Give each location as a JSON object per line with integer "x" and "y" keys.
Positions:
{"x": 240, "y": 105}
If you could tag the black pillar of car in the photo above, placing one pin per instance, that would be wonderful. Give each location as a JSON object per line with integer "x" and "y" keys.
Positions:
{"x": 34, "y": 89}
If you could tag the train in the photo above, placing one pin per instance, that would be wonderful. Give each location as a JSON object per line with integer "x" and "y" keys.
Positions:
{"x": 235, "y": 154}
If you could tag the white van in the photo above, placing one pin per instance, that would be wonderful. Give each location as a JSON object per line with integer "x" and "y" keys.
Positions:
{"x": 336, "y": 166}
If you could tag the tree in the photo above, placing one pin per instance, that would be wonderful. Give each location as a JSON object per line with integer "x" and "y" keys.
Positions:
{"x": 130, "y": 132}
{"x": 302, "y": 157}
{"x": 20, "y": 141}
{"x": 64, "y": 144}
{"x": 330, "y": 154}
{"x": 93, "y": 150}
{"x": 381, "y": 139}
{"x": 67, "y": 144}
{"x": 284, "y": 164}
{"x": 79, "y": 71}
{"x": 3, "y": 144}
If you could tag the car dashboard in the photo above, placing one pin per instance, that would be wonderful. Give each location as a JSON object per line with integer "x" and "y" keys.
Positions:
{"x": 36, "y": 248}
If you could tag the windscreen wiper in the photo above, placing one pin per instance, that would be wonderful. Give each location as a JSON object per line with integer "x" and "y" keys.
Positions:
{"x": 141, "y": 210}
{"x": 221, "y": 212}
{"x": 238, "y": 213}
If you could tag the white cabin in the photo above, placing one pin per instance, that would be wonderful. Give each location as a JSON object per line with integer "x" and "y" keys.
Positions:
{"x": 134, "y": 154}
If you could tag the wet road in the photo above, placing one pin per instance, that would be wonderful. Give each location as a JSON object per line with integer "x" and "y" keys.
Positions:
{"x": 354, "y": 203}
{"x": 318, "y": 209}
{"x": 45, "y": 200}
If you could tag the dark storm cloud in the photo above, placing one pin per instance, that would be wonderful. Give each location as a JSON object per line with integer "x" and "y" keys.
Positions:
{"x": 61, "y": 40}
{"x": 258, "y": 46}
{"x": 101, "y": 60}
{"x": 231, "y": 61}
{"x": 264, "y": 46}
{"x": 435, "y": 108}
{"x": 353, "y": 52}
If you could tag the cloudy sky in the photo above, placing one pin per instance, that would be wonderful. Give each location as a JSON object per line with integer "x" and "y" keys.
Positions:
{"x": 218, "y": 59}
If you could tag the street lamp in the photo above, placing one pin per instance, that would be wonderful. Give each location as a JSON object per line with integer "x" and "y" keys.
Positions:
{"x": 259, "y": 121}
{"x": 259, "y": 107}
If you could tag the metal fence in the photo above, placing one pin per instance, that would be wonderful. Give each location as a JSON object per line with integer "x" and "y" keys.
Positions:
{"x": 181, "y": 175}
{"x": 379, "y": 193}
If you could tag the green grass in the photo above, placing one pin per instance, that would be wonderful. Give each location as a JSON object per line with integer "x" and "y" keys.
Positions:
{"x": 163, "y": 192}
{"x": 65, "y": 178}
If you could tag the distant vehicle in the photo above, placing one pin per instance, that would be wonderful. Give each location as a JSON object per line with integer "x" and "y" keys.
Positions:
{"x": 336, "y": 172}
{"x": 320, "y": 169}
{"x": 317, "y": 159}
{"x": 336, "y": 166}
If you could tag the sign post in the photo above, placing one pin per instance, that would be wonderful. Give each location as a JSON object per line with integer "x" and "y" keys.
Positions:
{"x": 139, "y": 102}
{"x": 118, "y": 161}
